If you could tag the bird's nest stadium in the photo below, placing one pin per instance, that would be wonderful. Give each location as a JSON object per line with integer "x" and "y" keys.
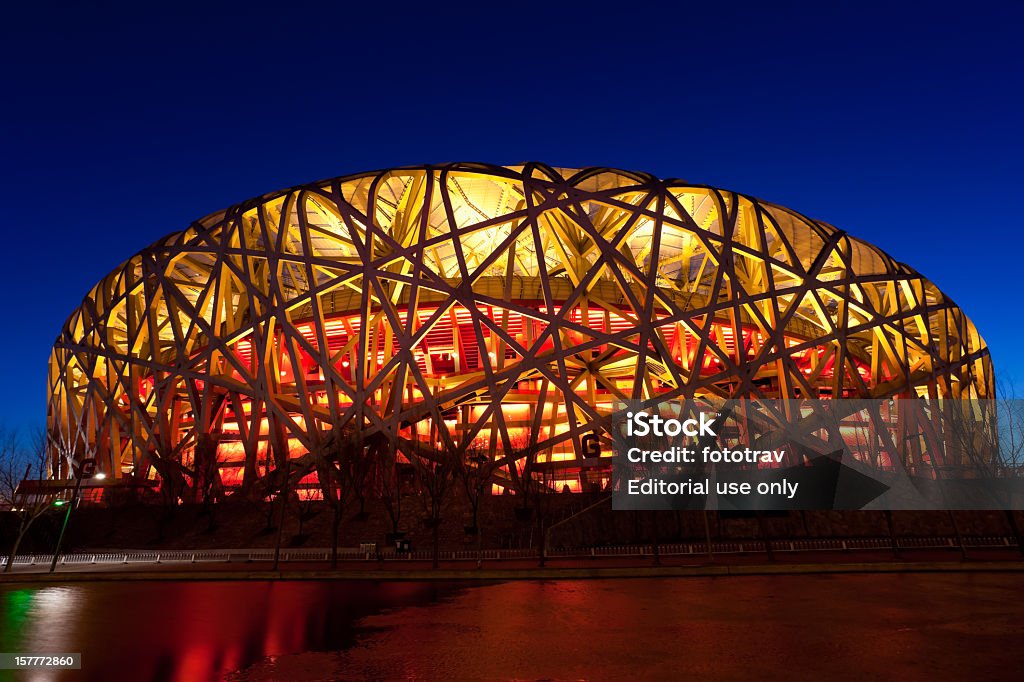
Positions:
{"x": 507, "y": 310}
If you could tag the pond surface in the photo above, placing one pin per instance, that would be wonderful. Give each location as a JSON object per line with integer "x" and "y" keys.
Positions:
{"x": 900, "y": 626}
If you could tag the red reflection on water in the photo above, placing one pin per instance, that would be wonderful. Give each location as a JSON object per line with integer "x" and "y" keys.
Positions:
{"x": 911, "y": 627}
{"x": 194, "y": 631}
{"x": 766, "y": 627}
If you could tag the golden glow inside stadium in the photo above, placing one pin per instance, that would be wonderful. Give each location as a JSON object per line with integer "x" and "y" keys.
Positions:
{"x": 507, "y": 309}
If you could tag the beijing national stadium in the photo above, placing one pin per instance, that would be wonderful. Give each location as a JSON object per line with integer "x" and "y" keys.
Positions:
{"x": 499, "y": 312}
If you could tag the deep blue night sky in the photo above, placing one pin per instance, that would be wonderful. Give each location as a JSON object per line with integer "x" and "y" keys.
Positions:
{"x": 123, "y": 123}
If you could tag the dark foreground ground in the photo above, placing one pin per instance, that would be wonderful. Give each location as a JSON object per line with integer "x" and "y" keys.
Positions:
{"x": 908, "y": 626}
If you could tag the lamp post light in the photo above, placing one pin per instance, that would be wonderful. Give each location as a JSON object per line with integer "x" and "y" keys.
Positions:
{"x": 86, "y": 469}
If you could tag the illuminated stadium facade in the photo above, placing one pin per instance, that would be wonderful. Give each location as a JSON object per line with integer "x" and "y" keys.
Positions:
{"x": 509, "y": 310}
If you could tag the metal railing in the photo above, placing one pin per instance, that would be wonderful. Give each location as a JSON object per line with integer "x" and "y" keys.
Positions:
{"x": 364, "y": 554}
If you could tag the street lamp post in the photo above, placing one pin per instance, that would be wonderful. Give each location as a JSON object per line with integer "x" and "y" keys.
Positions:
{"x": 86, "y": 469}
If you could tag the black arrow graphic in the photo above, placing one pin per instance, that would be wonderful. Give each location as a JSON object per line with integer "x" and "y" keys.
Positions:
{"x": 824, "y": 483}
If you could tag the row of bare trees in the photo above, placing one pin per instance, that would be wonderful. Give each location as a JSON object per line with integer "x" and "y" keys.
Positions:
{"x": 353, "y": 467}
{"x": 19, "y": 462}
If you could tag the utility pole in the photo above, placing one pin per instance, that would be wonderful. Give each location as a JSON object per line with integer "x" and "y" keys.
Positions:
{"x": 86, "y": 469}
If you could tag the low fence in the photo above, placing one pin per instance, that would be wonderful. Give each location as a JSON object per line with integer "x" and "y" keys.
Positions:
{"x": 262, "y": 556}
{"x": 370, "y": 553}
{"x": 796, "y": 546}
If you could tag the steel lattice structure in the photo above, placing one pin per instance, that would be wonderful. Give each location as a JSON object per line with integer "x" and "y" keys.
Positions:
{"x": 472, "y": 303}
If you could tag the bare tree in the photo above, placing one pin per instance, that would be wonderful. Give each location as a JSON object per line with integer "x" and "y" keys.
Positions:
{"x": 523, "y": 473}
{"x": 960, "y": 441}
{"x": 208, "y": 488}
{"x": 16, "y": 465}
{"x": 174, "y": 477}
{"x": 436, "y": 470}
{"x": 390, "y": 485}
{"x": 344, "y": 471}
{"x": 475, "y": 470}
{"x": 329, "y": 478}
{"x": 988, "y": 437}
{"x": 333, "y": 491}
{"x": 1011, "y": 448}
{"x": 307, "y": 502}
{"x": 1010, "y": 418}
